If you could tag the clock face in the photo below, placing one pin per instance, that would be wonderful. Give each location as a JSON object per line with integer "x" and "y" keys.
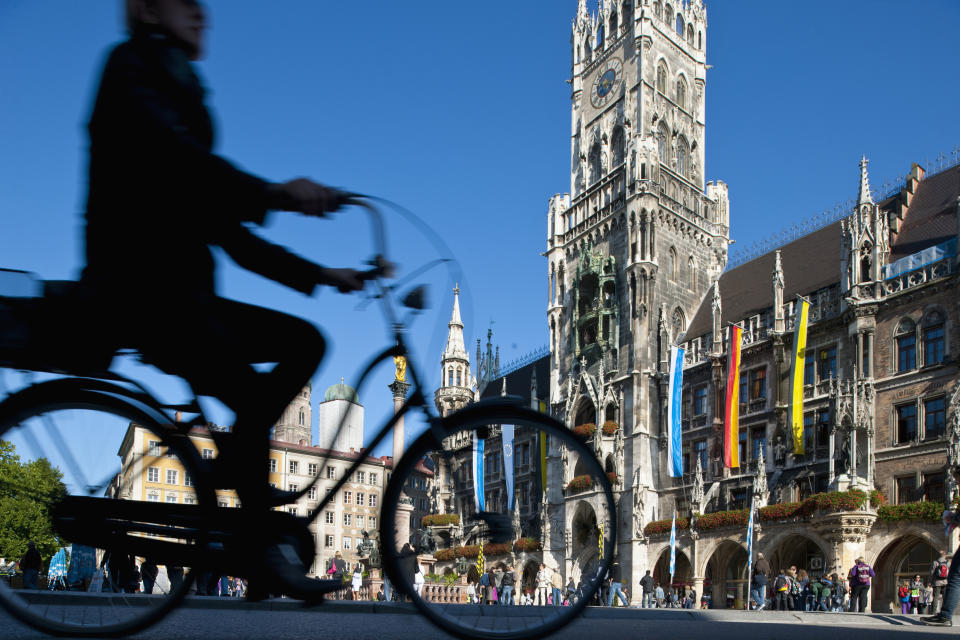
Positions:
{"x": 606, "y": 82}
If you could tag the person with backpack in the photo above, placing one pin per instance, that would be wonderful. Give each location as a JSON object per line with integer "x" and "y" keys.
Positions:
{"x": 938, "y": 578}
{"x": 903, "y": 596}
{"x": 860, "y": 576}
{"x": 781, "y": 591}
{"x": 758, "y": 588}
{"x": 826, "y": 587}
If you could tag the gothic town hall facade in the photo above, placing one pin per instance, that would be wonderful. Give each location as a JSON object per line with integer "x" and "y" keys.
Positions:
{"x": 637, "y": 261}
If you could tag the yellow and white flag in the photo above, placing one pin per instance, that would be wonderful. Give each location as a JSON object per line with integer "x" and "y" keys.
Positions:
{"x": 799, "y": 360}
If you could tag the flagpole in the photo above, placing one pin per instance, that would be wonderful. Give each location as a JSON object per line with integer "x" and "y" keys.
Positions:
{"x": 750, "y": 549}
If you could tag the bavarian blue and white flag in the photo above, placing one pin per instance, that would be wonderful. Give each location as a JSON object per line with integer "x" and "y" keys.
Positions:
{"x": 674, "y": 395}
{"x": 673, "y": 546}
{"x": 507, "y": 433}
{"x": 478, "y": 473}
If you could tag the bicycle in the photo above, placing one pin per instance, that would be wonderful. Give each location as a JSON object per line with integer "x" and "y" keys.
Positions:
{"x": 102, "y": 512}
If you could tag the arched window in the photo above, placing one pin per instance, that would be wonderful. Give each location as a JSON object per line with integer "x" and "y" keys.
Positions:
{"x": 679, "y": 322}
{"x": 594, "y": 160}
{"x": 668, "y": 14}
{"x": 617, "y": 143}
{"x": 613, "y": 24}
{"x": 662, "y": 77}
{"x": 450, "y": 376}
{"x": 600, "y": 37}
{"x": 690, "y": 34}
{"x": 692, "y": 272}
{"x": 458, "y": 377}
{"x": 681, "y": 93}
{"x": 906, "y": 339}
{"x": 301, "y": 417}
{"x": 680, "y": 25}
{"x": 662, "y": 137}
{"x": 658, "y": 10}
{"x": 699, "y": 40}
{"x": 673, "y": 264}
{"x": 683, "y": 153}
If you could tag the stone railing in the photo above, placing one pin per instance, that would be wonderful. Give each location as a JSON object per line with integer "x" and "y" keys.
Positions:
{"x": 444, "y": 594}
{"x": 918, "y": 277}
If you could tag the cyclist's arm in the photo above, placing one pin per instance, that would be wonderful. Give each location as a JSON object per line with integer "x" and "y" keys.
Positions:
{"x": 272, "y": 261}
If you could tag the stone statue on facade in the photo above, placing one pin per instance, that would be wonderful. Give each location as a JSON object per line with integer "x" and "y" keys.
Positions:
{"x": 761, "y": 493}
{"x": 618, "y": 445}
{"x": 366, "y": 549}
{"x": 843, "y": 457}
{"x": 779, "y": 452}
{"x": 697, "y": 496}
{"x": 639, "y": 502}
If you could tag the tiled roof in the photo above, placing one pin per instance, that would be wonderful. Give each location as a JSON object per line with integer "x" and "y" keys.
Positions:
{"x": 932, "y": 216}
{"x": 809, "y": 263}
{"x": 518, "y": 382}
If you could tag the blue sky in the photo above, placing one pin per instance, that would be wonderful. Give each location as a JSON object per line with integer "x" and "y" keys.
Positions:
{"x": 460, "y": 112}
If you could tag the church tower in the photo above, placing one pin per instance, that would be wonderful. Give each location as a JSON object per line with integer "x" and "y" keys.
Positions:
{"x": 294, "y": 425}
{"x": 456, "y": 383}
{"x": 637, "y": 242}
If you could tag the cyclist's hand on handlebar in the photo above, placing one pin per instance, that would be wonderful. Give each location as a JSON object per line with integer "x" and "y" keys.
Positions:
{"x": 345, "y": 280}
{"x": 306, "y": 196}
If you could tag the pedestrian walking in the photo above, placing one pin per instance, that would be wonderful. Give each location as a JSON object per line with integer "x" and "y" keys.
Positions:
{"x": 30, "y": 565}
{"x": 543, "y": 582}
{"x": 916, "y": 589}
{"x": 860, "y": 577}
{"x": 616, "y": 585}
{"x": 418, "y": 579}
{"x": 357, "y": 582}
{"x": 571, "y": 591}
{"x": 646, "y": 587}
{"x": 658, "y": 593}
{"x": 148, "y": 573}
{"x": 938, "y": 577}
{"x": 758, "y": 588}
{"x": 951, "y": 593}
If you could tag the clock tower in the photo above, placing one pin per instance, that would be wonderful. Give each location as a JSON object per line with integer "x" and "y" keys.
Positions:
{"x": 635, "y": 244}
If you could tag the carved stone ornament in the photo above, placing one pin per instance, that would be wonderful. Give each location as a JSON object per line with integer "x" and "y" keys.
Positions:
{"x": 845, "y": 527}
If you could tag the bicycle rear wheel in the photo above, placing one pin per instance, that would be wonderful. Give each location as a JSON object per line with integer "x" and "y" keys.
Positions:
{"x": 102, "y": 483}
{"x": 457, "y": 571}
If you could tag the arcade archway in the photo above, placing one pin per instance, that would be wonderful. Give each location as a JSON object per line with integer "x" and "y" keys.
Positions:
{"x": 902, "y": 560}
{"x": 725, "y": 578}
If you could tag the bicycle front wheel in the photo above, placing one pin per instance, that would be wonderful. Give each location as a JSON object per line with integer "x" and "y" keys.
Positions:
{"x": 504, "y": 528}
{"x": 104, "y": 491}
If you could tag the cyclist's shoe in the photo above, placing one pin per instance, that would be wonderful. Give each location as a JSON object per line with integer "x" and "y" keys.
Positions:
{"x": 285, "y": 573}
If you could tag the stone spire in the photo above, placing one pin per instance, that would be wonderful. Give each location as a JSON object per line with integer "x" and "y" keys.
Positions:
{"x": 455, "y": 379}
{"x": 779, "y": 322}
{"x": 455, "y": 346}
{"x": 864, "y": 197}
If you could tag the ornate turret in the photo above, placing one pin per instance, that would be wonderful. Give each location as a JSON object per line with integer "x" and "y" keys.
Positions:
{"x": 455, "y": 379}
{"x": 865, "y": 244}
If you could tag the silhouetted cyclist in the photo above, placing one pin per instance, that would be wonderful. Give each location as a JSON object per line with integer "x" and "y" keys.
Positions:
{"x": 159, "y": 199}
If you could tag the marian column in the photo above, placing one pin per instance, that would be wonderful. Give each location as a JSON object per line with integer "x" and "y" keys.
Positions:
{"x": 399, "y": 387}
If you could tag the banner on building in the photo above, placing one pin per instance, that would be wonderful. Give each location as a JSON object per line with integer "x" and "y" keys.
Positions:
{"x": 508, "y": 468}
{"x": 674, "y": 395}
{"x": 731, "y": 422}
{"x": 478, "y": 501}
{"x": 799, "y": 361}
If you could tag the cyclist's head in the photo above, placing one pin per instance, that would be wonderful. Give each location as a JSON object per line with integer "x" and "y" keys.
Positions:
{"x": 183, "y": 20}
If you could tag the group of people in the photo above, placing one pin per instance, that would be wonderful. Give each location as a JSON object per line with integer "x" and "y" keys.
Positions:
{"x": 793, "y": 589}
{"x": 653, "y": 596}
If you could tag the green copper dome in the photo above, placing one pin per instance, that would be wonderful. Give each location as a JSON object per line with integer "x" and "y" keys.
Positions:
{"x": 341, "y": 391}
